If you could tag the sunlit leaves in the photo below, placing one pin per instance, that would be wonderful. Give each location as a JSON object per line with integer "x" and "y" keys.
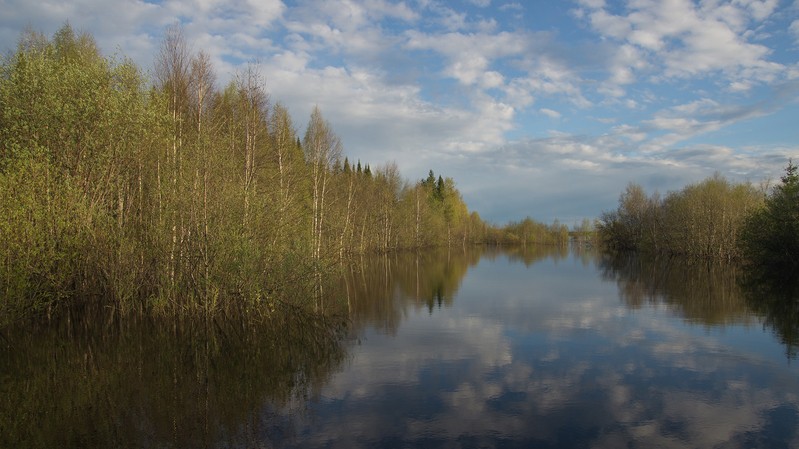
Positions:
{"x": 701, "y": 220}
{"x": 181, "y": 196}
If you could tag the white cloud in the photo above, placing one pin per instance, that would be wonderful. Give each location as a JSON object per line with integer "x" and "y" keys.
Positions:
{"x": 592, "y": 3}
{"x": 351, "y": 14}
{"x": 262, "y": 12}
{"x": 512, "y": 6}
{"x": 760, "y": 9}
{"x": 550, "y": 113}
{"x": 492, "y": 79}
{"x": 794, "y": 28}
{"x": 610, "y": 25}
{"x": 546, "y": 76}
{"x": 688, "y": 40}
{"x": 631, "y": 133}
{"x": 740, "y": 86}
{"x": 381, "y": 122}
{"x": 469, "y": 55}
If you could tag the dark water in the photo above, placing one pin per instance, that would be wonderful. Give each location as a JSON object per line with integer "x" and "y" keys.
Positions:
{"x": 512, "y": 348}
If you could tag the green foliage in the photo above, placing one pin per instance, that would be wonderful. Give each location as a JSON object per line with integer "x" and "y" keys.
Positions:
{"x": 72, "y": 126}
{"x": 40, "y": 225}
{"x": 702, "y": 220}
{"x": 770, "y": 237}
{"x": 180, "y": 196}
{"x": 624, "y": 229}
{"x": 531, "y": 232}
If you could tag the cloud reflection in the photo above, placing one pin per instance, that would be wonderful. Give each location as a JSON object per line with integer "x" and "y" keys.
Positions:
{"x": 549, "y": 357}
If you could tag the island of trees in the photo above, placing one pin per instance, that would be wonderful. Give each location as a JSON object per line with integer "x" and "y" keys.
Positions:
{"x": 714, "y": 219}
{"x": 164, "y": 192}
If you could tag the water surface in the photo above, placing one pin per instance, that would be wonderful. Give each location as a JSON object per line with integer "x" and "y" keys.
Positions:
{"x": 541, "y": 347}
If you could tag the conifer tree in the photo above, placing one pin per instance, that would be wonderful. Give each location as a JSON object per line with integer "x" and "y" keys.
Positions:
{"x": 770, "y": 237}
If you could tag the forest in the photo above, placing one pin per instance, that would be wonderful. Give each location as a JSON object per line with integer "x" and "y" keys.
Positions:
{"x": 163, "y": 192}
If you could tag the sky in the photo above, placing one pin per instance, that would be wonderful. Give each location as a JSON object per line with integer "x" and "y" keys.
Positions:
{"x": 537, "y": 108}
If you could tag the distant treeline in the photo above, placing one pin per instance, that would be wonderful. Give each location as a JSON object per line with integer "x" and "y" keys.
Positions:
{"x": 173, "y": 194}
{"x": 714, "y": 219}
{"x": 529, "y": 232}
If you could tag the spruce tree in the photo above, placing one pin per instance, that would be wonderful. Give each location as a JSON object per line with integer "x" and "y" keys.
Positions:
{"x": 770, "y": 237}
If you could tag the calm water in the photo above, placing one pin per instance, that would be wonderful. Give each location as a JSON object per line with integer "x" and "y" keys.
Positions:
{"x": 521, "y": 348}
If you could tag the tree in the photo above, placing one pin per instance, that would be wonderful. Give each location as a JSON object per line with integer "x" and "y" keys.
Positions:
{"x": 770, "y": 236}
{"x": 73, "y": 132}
{"x": 253, "y": 108}
{"x": 704, "y": 219}
{"x": 322, "y": 149}
{"x": 172, "y": 74}
{"x": 701, "y": 220}
{"x": 202, "y": 80}
{"x": 288, "y": 159}
{"x": 179, "y": 196}
{"x": 389, "y": 185}
{"x": 623, "y": 229}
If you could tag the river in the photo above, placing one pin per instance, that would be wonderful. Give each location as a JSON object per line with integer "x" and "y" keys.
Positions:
{"x": 521, "y": 347}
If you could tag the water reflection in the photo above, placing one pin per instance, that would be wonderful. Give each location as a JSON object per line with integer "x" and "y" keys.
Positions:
{"x": 379, "y": 289}
{"x": 530, "y": 255}
{"x": 102, "y": 382}
{"x": 713, "y": 294}
{"x": 536, "y": 351}
{"x": 484, "y": 347}
{"x": 700, "y": 291}
{"x": 775, "y": 296}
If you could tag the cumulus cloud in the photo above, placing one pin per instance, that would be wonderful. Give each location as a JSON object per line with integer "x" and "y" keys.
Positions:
{"x": 685, "y": 39}
{"x": 469, "y": 55}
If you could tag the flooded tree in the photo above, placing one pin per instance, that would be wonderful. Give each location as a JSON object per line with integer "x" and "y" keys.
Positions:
{"x": 702, "y": 220}
{"x": 178, "y": 196}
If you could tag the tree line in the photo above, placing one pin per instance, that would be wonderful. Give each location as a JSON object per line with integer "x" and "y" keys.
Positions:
{"x": 529, "y": 232}
{"x": 166, "y": 192}
{"x": 712, "y": 219}
{"x": 173, "y": 193}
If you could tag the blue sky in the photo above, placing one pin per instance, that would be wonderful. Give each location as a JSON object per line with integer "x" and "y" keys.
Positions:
{"x": 540, "y": 108}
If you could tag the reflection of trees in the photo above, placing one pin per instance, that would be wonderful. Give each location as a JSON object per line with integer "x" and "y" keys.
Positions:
{"x": 776, "y": 297}
{"x": 379, "y": 288}
{"x": 532, "y": 254}
{"x": 148, "y": 383}
{"x": 700, "y": 291}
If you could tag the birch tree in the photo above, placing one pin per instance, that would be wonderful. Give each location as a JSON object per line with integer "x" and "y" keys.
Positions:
{"x": 288, "y": 160}
{"x": 172, "y": 79}
{"x": 322, "y": 149}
